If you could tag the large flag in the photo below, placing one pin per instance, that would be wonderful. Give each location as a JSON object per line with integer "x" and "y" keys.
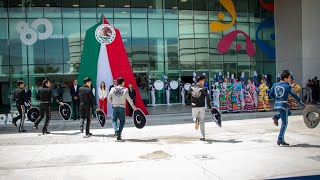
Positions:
{"x": 104, "y": 58}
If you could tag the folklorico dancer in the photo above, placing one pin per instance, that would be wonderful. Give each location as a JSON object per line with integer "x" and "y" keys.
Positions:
{"x": 243, "y": 89}
{"x": 236, "y": 101}
{"x": 263, "y": 100}
{"x": 279, "y": 92}
{"x": 256, "y": 84}
{"x": 225, "y": 88}
{"x": 199, "y": 97}
{"x": 215, "y": 92}
{"x": 20, "y": 97}
{"x": 293, "y": 104}
{"x": 44, "y": 95}
{"x": 250, "y": 97}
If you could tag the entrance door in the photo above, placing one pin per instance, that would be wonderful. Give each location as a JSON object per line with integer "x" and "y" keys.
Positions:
{"x": 143, "y": 87}
{"x": 4, "y": 97}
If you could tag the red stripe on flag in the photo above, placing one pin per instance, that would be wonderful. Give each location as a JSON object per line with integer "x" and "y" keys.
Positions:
{"x": 120, "y": 66}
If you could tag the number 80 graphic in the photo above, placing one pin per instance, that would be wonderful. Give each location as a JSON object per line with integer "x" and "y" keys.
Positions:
{"x": 24, "y": 30}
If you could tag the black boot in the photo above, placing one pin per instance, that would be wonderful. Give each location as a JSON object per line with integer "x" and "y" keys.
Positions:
{"x": 283, "y": 143}
{"x": 45, "y": 132}
{"x": 275, "y": 121}
{"x": 115, "y": 134}
{"x": 35, "y": 127}
{"x": 14, "y": 123}
{"x": 81, "y": 128}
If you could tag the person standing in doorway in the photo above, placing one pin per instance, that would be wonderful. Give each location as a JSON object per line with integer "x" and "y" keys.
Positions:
{"x": 132, "y": 94}
{"x": 103, "y": 97}
{"x": 315, "y": 90}
{"x": 117, "y": 97}
{"x": 309, "y": 91}
{"x": 74, "y": 92}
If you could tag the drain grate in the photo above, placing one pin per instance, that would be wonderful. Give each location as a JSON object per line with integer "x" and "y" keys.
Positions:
{"x": 316, "y": 158}
{"x": 204, "y": 157}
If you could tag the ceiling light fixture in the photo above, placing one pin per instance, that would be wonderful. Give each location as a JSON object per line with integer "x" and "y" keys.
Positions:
{"x": 127, "y": 6}
{"x": 102, "y": 5}
{"x": 75, "y": 5}
{"x": 48, "y": 5}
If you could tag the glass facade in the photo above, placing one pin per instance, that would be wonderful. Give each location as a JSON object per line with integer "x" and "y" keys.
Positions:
{"x": 162, "y": 37}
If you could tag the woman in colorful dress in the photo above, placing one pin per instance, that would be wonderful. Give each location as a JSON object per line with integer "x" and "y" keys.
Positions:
{"x": 236, "y": 101}
{"x": 263, "y": 100}
{"x": 250, "y": 97}
{"x": 224, "y": 99}
{"x": 293, "y": 104}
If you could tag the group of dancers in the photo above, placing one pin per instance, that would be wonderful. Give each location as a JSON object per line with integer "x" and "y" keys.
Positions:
{"x": 235, "y": 95}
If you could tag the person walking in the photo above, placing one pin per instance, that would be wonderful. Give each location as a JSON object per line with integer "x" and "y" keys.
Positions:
{"x": 103, "y": 97}
{"x": 74, "y": 92}
{"x": 87, "y": 101}
{"x": 132, "y": 94}
{"x": 21, "y": 101}
{"x": 117, "y": 97}
{"x": 44, "y": 95}
{"x": 199, "y": 97}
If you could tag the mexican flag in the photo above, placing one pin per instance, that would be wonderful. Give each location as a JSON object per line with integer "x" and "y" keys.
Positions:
{"x": 104, "y": 59}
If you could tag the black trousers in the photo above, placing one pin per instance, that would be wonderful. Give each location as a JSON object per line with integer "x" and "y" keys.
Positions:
{"x": 21, "y": 110}
{"x": 130, "y": 109}
{"x": 44, "y": 108}
{"x": 85, "y": 112}
{"x": 75, "y": 107}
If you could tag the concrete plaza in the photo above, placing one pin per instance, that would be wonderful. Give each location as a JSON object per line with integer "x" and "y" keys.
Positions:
{"x": 167, "y": 148}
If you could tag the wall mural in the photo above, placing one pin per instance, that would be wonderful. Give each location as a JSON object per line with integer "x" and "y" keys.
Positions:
{"x": 225, "y": 43}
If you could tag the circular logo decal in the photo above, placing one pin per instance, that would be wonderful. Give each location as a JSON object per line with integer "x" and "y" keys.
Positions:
{"x": 105, "y": 34}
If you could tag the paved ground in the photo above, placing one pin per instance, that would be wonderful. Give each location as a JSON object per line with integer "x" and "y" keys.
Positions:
{"x": 167, "y": 148}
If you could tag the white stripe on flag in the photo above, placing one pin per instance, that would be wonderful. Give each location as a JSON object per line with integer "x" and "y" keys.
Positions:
{"x": 104, "y": 74}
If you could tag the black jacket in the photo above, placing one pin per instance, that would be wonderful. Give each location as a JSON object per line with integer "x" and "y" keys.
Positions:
{"x": 20, "y": 96}
{"x": 86, "y": 97}
{"x": 74, "y": 93}
{"x": 132, "y": 94}
{"x": 44, "y": 95}
{"x": 199, "y": 95}
{"x": 28, "y": 93}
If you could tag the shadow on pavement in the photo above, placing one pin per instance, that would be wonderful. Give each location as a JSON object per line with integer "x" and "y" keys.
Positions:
{"x": 142, "y": 140}
{"x": 71, "y": 134}
{"x": 305, "y": 146}
{"x": 232, "y": 141}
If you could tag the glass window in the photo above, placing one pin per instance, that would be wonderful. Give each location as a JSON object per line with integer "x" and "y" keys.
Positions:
{"x": 88, "y": 9}
{"x": 3, "y": 8}
{"x": 171, "y": 44}
{"x": 186, "y": 50}
{"x": 4, "y": 71}
{"x": 244, "y": 66}
{"x": 18, "y": 51}
{"x": 52, "y": 8}
{"x": 155, "y": 9}
{"x": 188, "y": 65}
{"x": 17, "y": 8}
{"x": 105, "y": 7}
{"x": 124, "y": 26}
{"x": 70, "y": 9}
{"x": 139, "y": 40}
{"x": 200, "y": 10}
{"x": 170, "y": 9}
{"x": 20, "y": 71}
{"x": 72, "y": 41}
{"x": 185, "y": 9}
{"x": 242, "y": 10}
{"x": 201, "y": 49}
{"x": 139, "y": 9}
{"x": 214, "y": 9}
{"x": 202, "y": 65}
{"x": 122, "y": 8}
{"x": 186, "y": 29}
{"x": 4, "y": 51}
{"x": 254, "y": 11}
{"x": 201, "y": 29}
{"x": 156, "y": 49}
{"x": 34, "y": 9}
{"x": 53, "y": 46}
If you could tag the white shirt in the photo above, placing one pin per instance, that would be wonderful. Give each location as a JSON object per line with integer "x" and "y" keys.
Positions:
{"x": 102, "y": 93}
{"x": 75, "y": 88}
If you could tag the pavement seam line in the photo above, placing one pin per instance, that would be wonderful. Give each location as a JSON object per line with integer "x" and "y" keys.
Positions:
{"x": 37, "y": 155}
{"x": 204, "y": 169}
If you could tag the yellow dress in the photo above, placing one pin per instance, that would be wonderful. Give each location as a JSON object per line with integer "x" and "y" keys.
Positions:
{"x": 293, "y": 104}
{"x": 263, "y": 100}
